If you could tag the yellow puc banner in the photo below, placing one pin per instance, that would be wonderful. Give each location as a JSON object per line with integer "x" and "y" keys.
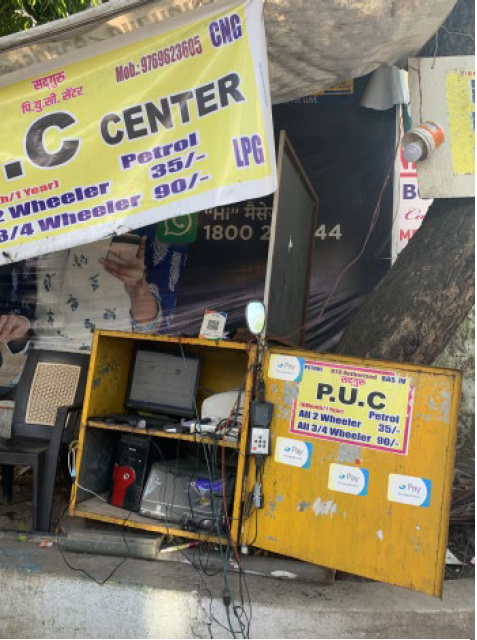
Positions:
{"x": 148, "y": 126}
{"x": 363, "y": 406}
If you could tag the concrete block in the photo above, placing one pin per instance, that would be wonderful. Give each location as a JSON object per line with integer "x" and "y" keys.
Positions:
{"x": 113, "y": 543}
{"x": 43, "y": 597}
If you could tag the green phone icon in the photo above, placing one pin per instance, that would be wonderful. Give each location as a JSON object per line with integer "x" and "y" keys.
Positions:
{"x": 178, "y": 230}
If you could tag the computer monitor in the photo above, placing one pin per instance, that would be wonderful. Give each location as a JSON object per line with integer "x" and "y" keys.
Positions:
{"x": 163, "y": 383}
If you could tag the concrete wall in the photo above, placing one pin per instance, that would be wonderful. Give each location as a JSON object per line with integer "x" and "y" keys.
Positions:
{"x": 42, "y": 598}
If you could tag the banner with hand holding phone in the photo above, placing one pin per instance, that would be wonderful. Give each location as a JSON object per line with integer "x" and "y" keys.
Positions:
{"x": 161, "y": 122}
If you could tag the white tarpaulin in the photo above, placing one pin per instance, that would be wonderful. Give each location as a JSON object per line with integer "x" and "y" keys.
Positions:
{"x": 312, "y": 44}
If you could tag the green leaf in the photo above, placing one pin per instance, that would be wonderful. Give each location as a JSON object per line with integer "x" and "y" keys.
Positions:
{"x": 19, "y": 15}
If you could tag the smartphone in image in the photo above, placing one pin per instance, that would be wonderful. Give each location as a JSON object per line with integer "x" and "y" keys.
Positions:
{"x": 123, "y": 248}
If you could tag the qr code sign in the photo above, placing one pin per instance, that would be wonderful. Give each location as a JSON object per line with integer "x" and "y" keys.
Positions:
{"x": 213, "y": 325}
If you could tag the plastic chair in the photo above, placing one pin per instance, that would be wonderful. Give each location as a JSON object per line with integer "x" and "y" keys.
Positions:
{"x": 48, "y": 404}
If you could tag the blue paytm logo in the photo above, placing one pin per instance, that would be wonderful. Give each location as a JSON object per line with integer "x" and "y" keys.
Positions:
{"x": 286, "y": 368}
{"x": 295, "y": 453}
{"x": 347, "y": 479}
{"x": 409, "y": 490}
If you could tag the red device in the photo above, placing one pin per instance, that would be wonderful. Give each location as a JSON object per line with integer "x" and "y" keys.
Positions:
{"x": 123, "y": 478}
{"x": 129, "y": 472}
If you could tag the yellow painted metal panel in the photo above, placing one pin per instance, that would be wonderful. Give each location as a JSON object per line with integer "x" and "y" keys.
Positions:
{"x": 109, "y": 373}
{"x": 368, "y": 535}
{"x": 226, "y": 344}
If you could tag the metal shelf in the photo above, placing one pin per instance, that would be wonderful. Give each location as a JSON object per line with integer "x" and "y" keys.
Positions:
{"x": 192, "y": 437}
{"x": 97, "y": 509}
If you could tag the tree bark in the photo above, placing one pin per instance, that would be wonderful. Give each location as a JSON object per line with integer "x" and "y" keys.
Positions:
{"x": 413, "y": 312}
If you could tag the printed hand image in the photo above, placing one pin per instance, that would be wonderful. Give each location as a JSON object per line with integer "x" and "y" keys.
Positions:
{"x": 128, "y": 283}
{"x": 13, "y": 333}
{"x": 17, "y": 309}
{"x": 126, "y": 262}
{"x": 13, "y": 328}
{"x": 57, "y": 300}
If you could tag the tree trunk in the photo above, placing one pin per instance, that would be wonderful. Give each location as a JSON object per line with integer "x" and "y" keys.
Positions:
{"x": 413, "y": 312}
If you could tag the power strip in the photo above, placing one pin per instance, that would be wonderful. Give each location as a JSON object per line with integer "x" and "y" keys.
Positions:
{"x": 203, "y": 428}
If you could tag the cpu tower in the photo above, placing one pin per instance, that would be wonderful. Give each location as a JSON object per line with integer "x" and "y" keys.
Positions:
{"x": 129, "y": 472}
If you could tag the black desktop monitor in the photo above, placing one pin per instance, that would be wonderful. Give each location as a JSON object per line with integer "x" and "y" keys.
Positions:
{"x": 163, "y": 383}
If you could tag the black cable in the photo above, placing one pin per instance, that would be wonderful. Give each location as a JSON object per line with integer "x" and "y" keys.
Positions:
{"x": 259, "y": 477}
{"x": 219, "y": 536}
{"x": 210, "y": 533}
{"x": 210, "y": 594}
{"x": 211, "y": 463}
{"x": 201, "y": 577}
{"x": 242, "y": 578}
{"x": 123, "y": 560}
{"x": 213, "y": 619}
{"x": 199, "y": 569}
{"x": 227, "y": 612}
{"x": 86, "y": 573}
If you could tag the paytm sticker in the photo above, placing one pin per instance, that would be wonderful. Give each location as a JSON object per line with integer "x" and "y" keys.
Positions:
{"x": 286, "y": 368}
{"x": 348, "y": 479}
{"x": 293, "y": 452}
{"x": 409, "y": 490}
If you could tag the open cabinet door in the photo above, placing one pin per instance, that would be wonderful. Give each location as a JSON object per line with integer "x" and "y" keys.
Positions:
{"x": 360, "y": 473}
{"x": 290, "y": 250}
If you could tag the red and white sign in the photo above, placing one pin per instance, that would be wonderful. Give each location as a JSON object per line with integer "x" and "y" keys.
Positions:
{"x": 412, "y": 208}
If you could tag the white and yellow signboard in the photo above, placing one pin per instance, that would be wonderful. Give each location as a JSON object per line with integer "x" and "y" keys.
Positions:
{"x": 136, "y": 132}
{"x": 368, "y": 407}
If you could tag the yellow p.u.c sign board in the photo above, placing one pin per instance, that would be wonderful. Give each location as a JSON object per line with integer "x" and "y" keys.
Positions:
{"x": 164, "y": 121}
{"x": 360, "y": 473}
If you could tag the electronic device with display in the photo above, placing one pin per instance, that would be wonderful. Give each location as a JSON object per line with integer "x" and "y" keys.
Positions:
{"x": 163, "y": 383}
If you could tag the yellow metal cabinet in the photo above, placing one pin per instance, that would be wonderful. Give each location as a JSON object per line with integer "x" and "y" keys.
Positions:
{"x": 360, "y": 473}
{"x": 224, "y": 366}
{"x": 349, "y": 491}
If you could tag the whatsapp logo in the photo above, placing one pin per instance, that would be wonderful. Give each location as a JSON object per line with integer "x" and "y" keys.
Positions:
{"x": 180, "y": 230}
